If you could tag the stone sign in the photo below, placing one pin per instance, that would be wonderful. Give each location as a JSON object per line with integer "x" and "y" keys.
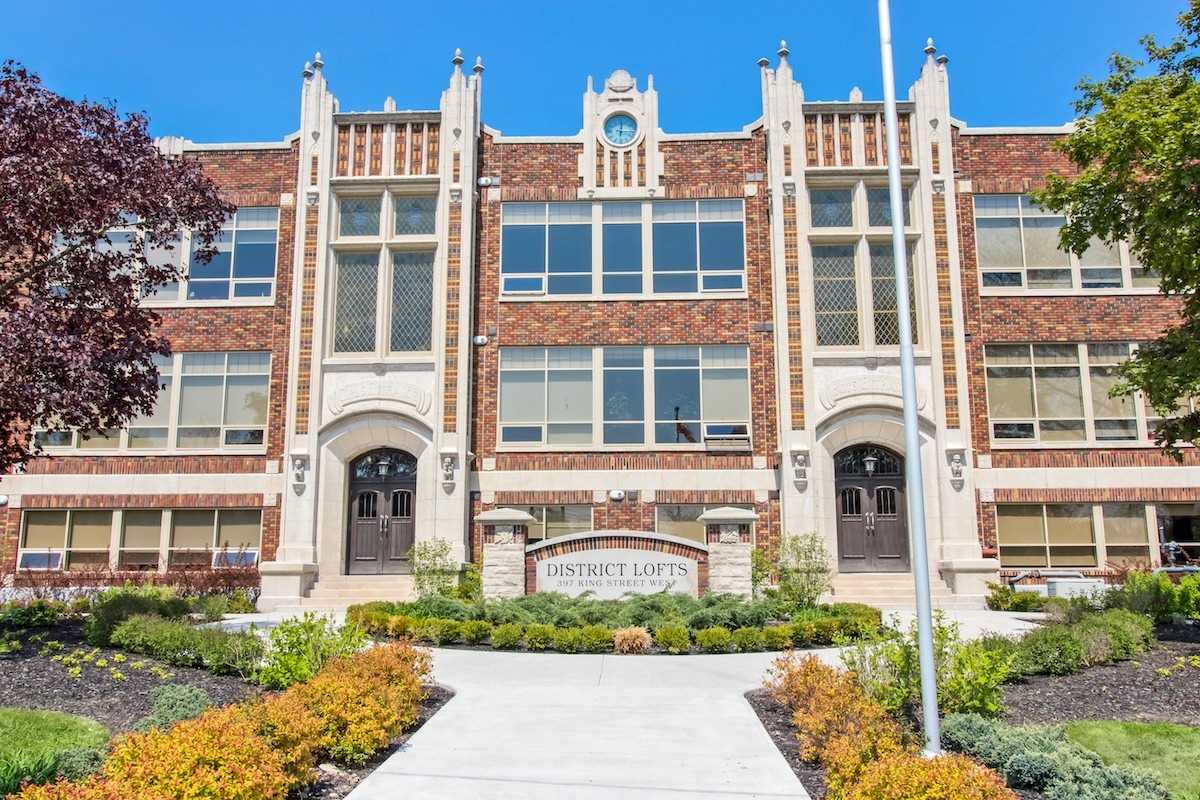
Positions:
{"x": 610, "y": 573}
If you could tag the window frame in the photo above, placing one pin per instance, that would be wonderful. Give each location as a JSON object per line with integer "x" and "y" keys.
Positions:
{"x": 706, "y": 442}
{"x": 540, "y": 519}
{"x": 1129, "y": 269}
{"x": 214, "y": 552}
{"x": 703, "y": 508}
{"x": 1099, "y": 545}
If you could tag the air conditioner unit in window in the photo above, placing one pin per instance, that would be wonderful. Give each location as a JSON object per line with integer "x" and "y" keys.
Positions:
{"x": 727, "y": 437}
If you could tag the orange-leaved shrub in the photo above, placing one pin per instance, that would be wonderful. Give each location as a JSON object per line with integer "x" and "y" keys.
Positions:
{"x": 95, "y": 788}
{"x": 217, "y": 755}
{"x": 632, "y": 641}
{"x": 908, "y": 776}
{"x": 293, "y": 730}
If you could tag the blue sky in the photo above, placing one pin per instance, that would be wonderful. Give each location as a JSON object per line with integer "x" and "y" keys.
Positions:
{"x": 216, "y": 71}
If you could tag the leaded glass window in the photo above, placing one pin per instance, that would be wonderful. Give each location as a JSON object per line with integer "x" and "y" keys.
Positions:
{"x": 359, "y": 216}
{"x": 354, "y": 314}
{"x": 883, "y": 294}
{"x": 835, "y": 295}
{"x": 412, "y": 302}
{"x": 414, "y": 216}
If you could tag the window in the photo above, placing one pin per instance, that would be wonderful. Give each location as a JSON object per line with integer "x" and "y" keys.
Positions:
{"x": 884, "y": 305}
{"x": 140, "y": 536}
{"x": 624, "y": 396}
{"x": 414, "y": 215}
{"x": 832, "y": 208}
{"x": 1017, "y": 246}
{"x": 622, "y": 248}
{"x": 551, "y": 521}
{"x": 700, "y": 394}
{"x": 224, "y": 538}
{"x": 689, "y": 246}
{"x": 546, "y": 247}
{"x": 546, "y": 395}
{"x": 842, "y": 320}
{"x": 223, "y": 399}
{"x": 1180, "y": 523}
{"x": 1038, "y": 393}
{"x": 76, "y": 539}
{"x": 359, "y": 216}
{"x": 879, "y": 206}
{"x": 412, "y": 302}
{"x": 244, "y": 265}
{"x": 835, "y": 295}
{"x": 1064, "y": 535}
{"x": 357, "y": 286}
{"x": 684, "y": 520}
{"x": 698, "y": 244}
{"x": 205, "y": 400}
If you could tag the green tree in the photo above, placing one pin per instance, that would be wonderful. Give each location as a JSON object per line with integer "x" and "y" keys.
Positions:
{"x": 1136, "y": 144}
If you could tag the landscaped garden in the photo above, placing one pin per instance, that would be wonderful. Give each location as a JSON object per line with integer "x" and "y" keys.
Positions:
{"x": 130, "y": 695}
{"x": 1098, "y": 703}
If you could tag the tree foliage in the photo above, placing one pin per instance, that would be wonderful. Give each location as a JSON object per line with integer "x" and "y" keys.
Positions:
{"x": 76, "y": 347}
{"x": 1137, "y": 147}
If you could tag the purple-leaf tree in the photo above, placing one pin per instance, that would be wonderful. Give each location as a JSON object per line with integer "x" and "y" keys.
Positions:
{"x": 77, "y": 348}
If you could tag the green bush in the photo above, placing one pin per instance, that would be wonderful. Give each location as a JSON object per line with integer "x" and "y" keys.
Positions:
{"x": 372, "y": 617}
{"x": 174, "y": 702}
{"x": 749, "y": 640}
{"x": 183, "y": 645}
{"x": 112, "y": 606}
{"x": 1129, "y": 633}
{"x": 539, "y": 636}
{"x": 673, "y": 638}
{"x": 506, "y": 637}
{"x": 446, "y": 631}
{"x": 240, "y": 602}
{"x": 568, "y": 640}
{"x": 212, "y": 607}
{"x": 434, "y": 572}
{"x": 1005, "y": 598}
{"x": 475, "y": 631}
{"x": 34, "y": 614}
{"x": 1050, "y": 650}
{"x": 300, "y": 647}
{"x": 805, "y": 571}
{"x": 78, "y": 763}
{"x": 596, "y": 638}
{"x": 1153, "y": 595}
{"x": 777, "y": 637}
{"x": 714, "y": 640}
{"x": 439, "y": 606}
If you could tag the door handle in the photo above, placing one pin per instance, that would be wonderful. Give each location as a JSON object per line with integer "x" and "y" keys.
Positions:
{"x": 383, "y": 522}
{"x": 871, "y": 522}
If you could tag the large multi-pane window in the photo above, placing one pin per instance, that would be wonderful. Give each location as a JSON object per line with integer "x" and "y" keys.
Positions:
{"x": 662, "y": 247}
{"x": 602, "y": 396}
{"x": 1017, "y": 246}
{"x": 384, "y": 275}
{"x": 1050, "y": 393}
{"x": 132, "y": 539}
{"x": 551, "y": 521}
{"x": 244, "y": 265}
{"x": 683, "y": 520}
{"x": 211, "y": 401}
{"x": 847, "y": 314}
{"x": 841, "y": 206}
{"x": 1072, "y": 534}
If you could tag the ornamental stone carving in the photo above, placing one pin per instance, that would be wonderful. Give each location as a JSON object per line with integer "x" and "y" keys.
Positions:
{"x": 377, "y": 391}
{"x": 839, "y": 391}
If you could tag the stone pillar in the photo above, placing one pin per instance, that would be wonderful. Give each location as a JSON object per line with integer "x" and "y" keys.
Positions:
{"x": 504, "y": 536}
{"x": 727, "y": 531}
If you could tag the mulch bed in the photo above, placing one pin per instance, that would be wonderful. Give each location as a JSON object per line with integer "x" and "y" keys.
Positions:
{"x": 778, "y": 721}
{"x": 30, "y": 680}
{"x": 1130, "y": 690}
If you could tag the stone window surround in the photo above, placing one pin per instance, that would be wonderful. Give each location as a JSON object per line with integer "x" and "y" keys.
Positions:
{"x": 597, "y": 445}
{"x": 1126, "y": 265}
{"x": 597, "y": 272}
{"x": 123, "y": 447}
{"x": 115, "y": 545}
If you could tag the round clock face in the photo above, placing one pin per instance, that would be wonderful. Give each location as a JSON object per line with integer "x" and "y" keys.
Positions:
{"x": 620, "y": 129}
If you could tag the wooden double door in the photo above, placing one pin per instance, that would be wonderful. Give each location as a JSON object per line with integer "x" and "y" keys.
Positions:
{"x": 872, "y": 516}
{"x": 382, "y": 525}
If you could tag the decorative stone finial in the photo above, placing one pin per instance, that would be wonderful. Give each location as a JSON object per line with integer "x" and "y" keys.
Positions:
{"x": 308, "y": 69}
{"x": 929, "y": 48}
{"x": 478, "y": 68}
{"x": 389, "y": 104}
{"x": 458, "y": 57}
{"x": 856, "y": 95}
{"x": 763, "y": 62}
{"x": 783, "y": 49}
{"x": 317, "y": 61}
{"x": 943, "y": 59}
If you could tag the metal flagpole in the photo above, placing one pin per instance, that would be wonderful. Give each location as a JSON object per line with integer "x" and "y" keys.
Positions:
{"x": 908, "y": 381}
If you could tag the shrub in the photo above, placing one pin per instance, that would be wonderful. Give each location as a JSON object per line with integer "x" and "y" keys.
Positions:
{"x": 777, "y": 637}
{"x": 93, "y": 789}
{"x": 474, "y": 631}
{"x": 1050, "y": 650}
{"x": 539, "y": 636}
{"x": 1128, "y": 633}
{"x": 632, "y": 641}
{"x": 439, "y": 606}
{"x": 112, "y": 606}
{"x": 1006, "y": 598}
{"x": 596, "y": 638}
{"x": 749, "y": 640}
{"x": 907, "y": 776}
{"x": 34, "y": 614}
{"x": 506, "y": 637}
{"x": 433, "y": 570}
{"x": 714, "y": 640}
{"x": 173, "y": 703}
{"x": 446, "y": 631}
{"x": 424, "y": 630}
{"x": 241, "y": 603}
{"x": 470, "y": 584}
{"x": 180, "y": 644}
{"x": 804, "y": 569}
{"x": 300, "y": 647}
{"x": 673, "y": 638}
{"x": 398, "y": 625}
{"x": 293, "y": 729}
{"x": 212, "y": 608}
{"x": 372, "y": 617}
{"x": 568, "y": 640}
{"x": 219, "y": 754}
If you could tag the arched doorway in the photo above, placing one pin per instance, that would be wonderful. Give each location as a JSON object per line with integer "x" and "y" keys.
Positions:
{"x": 381, "y": 530}
{"x": 872, "y": 520}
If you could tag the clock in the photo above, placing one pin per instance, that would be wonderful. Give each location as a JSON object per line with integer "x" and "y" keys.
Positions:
{"x": 620, "y": 129}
